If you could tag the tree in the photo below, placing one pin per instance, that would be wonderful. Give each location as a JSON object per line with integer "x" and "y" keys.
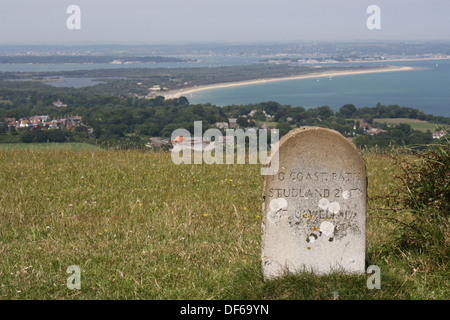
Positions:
{"x": 420, "y": 138}
{"x": 397, "y": 134}
{"x": 242, "y": 122}
{"x": 322, "y": 112}
{"x": 296, "y": 112}
{"x": 153, "y": 130}
{"x": 3, "y": 128}
{"x": 56, "y": 135}
{"x": 283, "y": 128}
{"x": 159, "y": 100}
{"x": 347, "y": 110}
{"x": 198, "y": 110}
{"x": 12, "y": 130}
{"x": 40, "y": 136}
{"x": 406, "y": 128}
{"x": 26, "y": 137}
{"x": 280, "y": 116}
{"x": 166, "y": 132}
{"x": 271, "y": 107}
{"x": 362, "y": 141}
{"x": 325, "y": 112}
{"x": 116, "y": 129}
{"x": 182, "y": 101}
{"x": 368, "y": 119}
{"x": 259, "y": 116}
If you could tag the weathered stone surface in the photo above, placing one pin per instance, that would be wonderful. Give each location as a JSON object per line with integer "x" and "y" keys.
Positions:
{"x": 314, "y": 207}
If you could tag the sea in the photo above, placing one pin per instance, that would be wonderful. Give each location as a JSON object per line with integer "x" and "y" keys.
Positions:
{"x": 426, "y": 87}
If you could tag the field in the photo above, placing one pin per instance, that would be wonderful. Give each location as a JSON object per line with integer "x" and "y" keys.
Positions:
{"x": 140, "y": 227}
{"x": 415, "y": 124}
{"x": 51, "y": 146}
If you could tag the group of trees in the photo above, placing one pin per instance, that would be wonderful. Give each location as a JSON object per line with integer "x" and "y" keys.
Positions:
{"x": 400, "y": 134}
{"x": 347, "y": 120}
{"x": 39, "y": 135}
{"x": 129, "y": 120}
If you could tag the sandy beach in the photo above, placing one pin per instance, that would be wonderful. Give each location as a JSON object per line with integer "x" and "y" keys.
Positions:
{"x": 187, "y": 91}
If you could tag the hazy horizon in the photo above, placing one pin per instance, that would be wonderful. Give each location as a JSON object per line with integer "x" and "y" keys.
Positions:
{"x": 206, "y": 42}
{"x": 166, "y": 22}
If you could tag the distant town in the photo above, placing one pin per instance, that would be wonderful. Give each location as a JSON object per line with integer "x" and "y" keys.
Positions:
{"x": 38, "y": 121}
{"x": 44, "y": 121}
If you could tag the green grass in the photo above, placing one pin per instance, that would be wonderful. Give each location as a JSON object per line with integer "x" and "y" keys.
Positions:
{"x": 74, "y": 146}
{"x": 270, "y": 124}
{"x": 415, "y": 124}
{"x": 140, "y": 227}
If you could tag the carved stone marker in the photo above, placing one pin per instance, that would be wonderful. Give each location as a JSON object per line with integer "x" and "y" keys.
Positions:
{"x": 314, "y": 207}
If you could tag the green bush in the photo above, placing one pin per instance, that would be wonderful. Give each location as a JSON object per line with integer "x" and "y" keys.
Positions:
{"x": 425, "y": 192}
{"x": 426, "y": 180}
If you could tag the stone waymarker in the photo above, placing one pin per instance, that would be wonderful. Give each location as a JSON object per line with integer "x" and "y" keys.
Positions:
{"x": 314, "y": 207}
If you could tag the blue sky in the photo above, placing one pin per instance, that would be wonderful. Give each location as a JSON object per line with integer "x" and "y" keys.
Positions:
{"x": 186, "y": 21}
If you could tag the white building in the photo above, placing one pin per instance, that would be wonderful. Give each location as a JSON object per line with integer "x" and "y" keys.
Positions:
{"x": 439, "y": 134}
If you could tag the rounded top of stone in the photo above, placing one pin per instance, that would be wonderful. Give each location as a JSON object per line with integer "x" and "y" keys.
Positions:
{"x": 311, "y": 129}
{"x": 309, "y": 141}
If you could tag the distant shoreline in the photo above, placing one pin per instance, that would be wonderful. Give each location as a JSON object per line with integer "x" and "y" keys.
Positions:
{"x": 376, "y": 61}
{"x": 172, "y": 94}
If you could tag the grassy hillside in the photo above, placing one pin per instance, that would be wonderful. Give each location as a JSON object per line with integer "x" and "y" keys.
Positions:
{"x": 140, "y": 227}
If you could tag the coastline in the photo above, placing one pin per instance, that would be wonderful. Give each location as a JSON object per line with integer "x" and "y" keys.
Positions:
{"x": 172, "y": 94}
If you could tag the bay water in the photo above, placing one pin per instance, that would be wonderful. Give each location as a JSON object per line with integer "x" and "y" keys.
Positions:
{"x": 426, "y": 88}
